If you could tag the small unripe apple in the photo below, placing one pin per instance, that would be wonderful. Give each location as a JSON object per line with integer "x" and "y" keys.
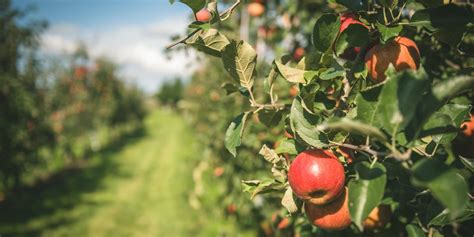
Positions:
{"x": 468, "y": 127}
{"x": 402, "y": 53}
{"x": 255, "y": 9}
{"x": 332, "y": 216}
{"x": 203, "y": 15}
{"x": 378, "y": 217}
{"x": 316, "y": 176}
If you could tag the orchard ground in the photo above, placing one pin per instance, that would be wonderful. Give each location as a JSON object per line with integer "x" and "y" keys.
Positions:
{"x": 136, "y": 187}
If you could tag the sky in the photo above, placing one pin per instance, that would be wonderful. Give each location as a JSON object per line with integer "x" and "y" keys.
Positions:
{"x": 133, "y": 33}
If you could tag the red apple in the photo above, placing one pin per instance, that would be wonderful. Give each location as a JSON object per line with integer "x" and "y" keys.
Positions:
{"x": 468, "y": 127}
{"x": 203, "y": 15}
{"x": 316, "y": 176}
{"x": 402, "y": 53}
{"x": 332, "y": 216}
{"x": 378, "y": 217}
{"x": 298, "y": 54}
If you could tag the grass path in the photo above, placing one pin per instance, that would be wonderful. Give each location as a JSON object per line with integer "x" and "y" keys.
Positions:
{"x": 135, "y": 188}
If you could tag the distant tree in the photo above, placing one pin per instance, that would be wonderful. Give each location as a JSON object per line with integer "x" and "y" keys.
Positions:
{"x": 171, "y": 92}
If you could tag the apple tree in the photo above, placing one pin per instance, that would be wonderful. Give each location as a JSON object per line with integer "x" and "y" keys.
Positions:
{"x": 365, "y": 100}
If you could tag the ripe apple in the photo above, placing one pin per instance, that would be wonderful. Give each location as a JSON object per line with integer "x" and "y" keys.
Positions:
{"x": 402, "y": 52}
{"x": 468, "y": 127}
{"x": 332, "y": 216}
{"x": 348, "y": 19}
{"x": 203, "y": 15}
{"x": 316, "y": 176}
{"x": 298, "y": 54}
{"x": 378, "y": 217}
{"x": 294, "y": 90}
{"x": 255, "y": 9}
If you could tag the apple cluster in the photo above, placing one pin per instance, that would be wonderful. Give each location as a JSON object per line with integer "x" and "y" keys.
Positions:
{"x": 317, "y": 177}
{"x": 401, "y": 52}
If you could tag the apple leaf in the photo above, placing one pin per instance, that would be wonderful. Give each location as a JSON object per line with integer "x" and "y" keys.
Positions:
{"x": 439, "y": 95}
{"x": 240, "y": 60}
{"x": 304, "y": 124}
{"x": 286, "y": 146}
{"x": 446, "y": 185}
{"x": 447, "y": 120}
{"x": 366, "y": 191}
{"x": 354, "y": 127}
{"x": 195, "y": 5}
{"x": 211, "y": 42}
{"x": 233, "y": 135}
{"x": 325, "y": 32}
{"x": 290, "y": 74}
{"x": 395, "y": 105}
{"x": 414, "y": 231}
{"x": 388, "y": 33}
{"x": 355, "y": 35}
{"x": 288, "y": 201}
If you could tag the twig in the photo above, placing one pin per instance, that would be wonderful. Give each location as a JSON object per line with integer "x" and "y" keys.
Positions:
{"x": 222, "y": 16}
{"x": 363, "y": 148}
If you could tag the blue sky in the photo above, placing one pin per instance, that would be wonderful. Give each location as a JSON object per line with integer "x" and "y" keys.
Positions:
{"x": 132, "y": 32}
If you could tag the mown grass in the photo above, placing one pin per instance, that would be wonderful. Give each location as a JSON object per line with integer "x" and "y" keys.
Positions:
{"x": 138, "y": 186}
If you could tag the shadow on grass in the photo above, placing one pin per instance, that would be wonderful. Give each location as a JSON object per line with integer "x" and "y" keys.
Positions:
{"x": 61, "y": 191}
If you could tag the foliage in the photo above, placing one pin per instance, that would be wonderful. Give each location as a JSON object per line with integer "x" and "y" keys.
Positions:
{"x": 402, "y": 131}
{"x": 170, "y": 92}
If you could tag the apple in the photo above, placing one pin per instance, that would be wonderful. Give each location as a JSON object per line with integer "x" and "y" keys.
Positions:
{"x": 332, "y": 216}
{"x": 468, "y": 127}
{"x": 378, "y": 217}
{"x": 284, "y": 223}
{"x": 203, "y": 15}
{"x": 402, "y": 53}
{"x": 298, "y": 54}
{"x": 255, "y": 9}
{"x": 348, "y": 19}
{"x": 294, "y": 90}
{"x": 316, "y": 176}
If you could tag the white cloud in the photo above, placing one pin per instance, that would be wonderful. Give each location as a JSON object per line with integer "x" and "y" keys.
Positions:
{"x": 138, "y": 49}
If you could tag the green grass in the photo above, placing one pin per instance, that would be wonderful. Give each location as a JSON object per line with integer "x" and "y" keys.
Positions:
{"x": 138, "y": 186}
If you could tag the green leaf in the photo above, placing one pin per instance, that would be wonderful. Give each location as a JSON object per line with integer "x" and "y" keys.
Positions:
{"x": 288, "y": 201}
{"x": 443, "y": 217}
{"x": 195, "y": 5}
{"x": 240, "y": 60}
{"x": 286, "y": 146}
{"x": 366, "y": 191}
{"x": 439, "y": 95}
{"x": 354, "y": 5}
{"x": 387, "y": 33}
{"x": 446, "y": 185}
{"x": 449, "y": 116}
{"x": 259, "y": 187}
{"x": 355, "y": 35}
{"x": 233, "y": 135}
{"x": 448, "y": 22}
{"x": 395, "y": 106}
{"x": 211, "y": 42}
{"x": 304, "y": 124}
{"x": 468, "y": 163}
{"x": 354, "y": 127}
{"x": 414, "y": 231}
{"x": 325, "y": 31}
{"x": 290, "y": 74}
{"x": 332, "y": 73}
{"x": 270, "y": 118}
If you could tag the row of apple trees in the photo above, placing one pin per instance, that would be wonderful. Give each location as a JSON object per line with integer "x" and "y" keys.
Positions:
{"x": 52, "y": 109}
{"x": 386, "y": 87}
